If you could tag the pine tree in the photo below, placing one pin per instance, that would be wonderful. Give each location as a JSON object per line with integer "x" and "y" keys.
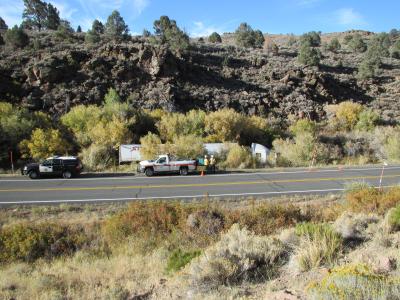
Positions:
{"x": 215, "y": 38}
{"x": 3, "y": 25}
{"x": 258, "y": 38}
{"x": 168, "y": 32}
{"x": 79, "y": 29}
{"x": 115, "y": 27}
{"x": 52, "y": 18}
{"x": 98, "y": 27}
{"x": 35, "y": 14}
{"x": 308, "y": 55}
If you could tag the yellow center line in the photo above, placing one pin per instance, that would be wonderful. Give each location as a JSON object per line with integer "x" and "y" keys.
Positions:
{"x": 193, "y": 184}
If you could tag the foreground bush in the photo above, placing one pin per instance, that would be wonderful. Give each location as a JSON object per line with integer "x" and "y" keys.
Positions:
{"x": 394, "y": 218}
{"x": 319, "y": 245}
{"x": 147, "y": 220}
{"x": 267, "y": 219}
{"x": 372, "y": 200}
{"x": 356, "y": 282}
{"x": 178, "y": 259}
{"x": 239, "y": 157}
{"x": 238, "y": 257}
{"x": 24, "y": 242}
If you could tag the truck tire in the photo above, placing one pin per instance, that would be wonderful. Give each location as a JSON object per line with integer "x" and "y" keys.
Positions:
{"x": 183, "y": 171}
{"x": 149, "y": 172}
{"x": 67, "y": 174}
{"x": 33, "y": 175}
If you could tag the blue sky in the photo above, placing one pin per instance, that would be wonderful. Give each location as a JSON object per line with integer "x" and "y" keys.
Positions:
{"x": 201, "y": 17}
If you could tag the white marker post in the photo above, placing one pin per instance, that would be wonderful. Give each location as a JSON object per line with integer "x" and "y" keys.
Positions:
{"x": 383, "y": 169}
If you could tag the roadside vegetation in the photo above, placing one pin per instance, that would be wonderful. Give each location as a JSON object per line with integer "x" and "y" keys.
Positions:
{"x": 208, "y": 248}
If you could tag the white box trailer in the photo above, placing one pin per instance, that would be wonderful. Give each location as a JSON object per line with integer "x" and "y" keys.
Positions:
{"x": 129, "y": 153}
{"x": 259, "y": 151}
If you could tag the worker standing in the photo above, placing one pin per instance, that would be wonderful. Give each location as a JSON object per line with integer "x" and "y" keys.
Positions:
{"x": 212, "y": 163}
{"x": 206, "y": 162}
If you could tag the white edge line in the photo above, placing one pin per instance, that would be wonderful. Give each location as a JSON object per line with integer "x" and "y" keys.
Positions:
{"x": 179, "y": 197}
{"x": 171, "y": 197}
{"x": 316, "y": 170}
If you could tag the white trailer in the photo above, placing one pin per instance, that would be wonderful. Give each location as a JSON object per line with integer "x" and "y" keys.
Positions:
{"x": 129, "y": 153}
{"x": 260, "y": 152}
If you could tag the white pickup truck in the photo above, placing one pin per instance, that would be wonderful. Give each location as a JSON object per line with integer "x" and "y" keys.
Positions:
{"x": 164, "y": 164}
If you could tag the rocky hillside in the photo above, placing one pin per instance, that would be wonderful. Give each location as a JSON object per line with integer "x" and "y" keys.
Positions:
{"x": 53, "y": 75}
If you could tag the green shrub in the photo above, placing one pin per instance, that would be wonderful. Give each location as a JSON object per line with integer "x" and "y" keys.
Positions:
{"x": 92, "y": 37}
{"x": 215, "y": 38}
{"x": 308, "y": 55}
{"x": 16, "y": 37}
{"x": 395, "y": 51}
{"x": 334, "y": 45}
{"x": 246, "y": 37}
{"x": 367, "y": 120}
{"x": 356, "y": 43}
{"x": 312, "y": 39}
{"x": 178, "y": 259}
{"x": 26, "y": 242}
{"x": 355, "y": 186}
{"x": 145, "y": 220}
{"x": 354, "y": 282}
{"x": 392, "y": 147}
{"x": 319, "y": 245}
{"x": 394, "y": 218}
{"x": 240, "y": 256}
{"x": 347, "y": 115}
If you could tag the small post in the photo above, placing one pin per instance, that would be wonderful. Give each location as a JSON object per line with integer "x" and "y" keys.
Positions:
{"x": 380, "y": 179}
{"x": 12, "y": 161}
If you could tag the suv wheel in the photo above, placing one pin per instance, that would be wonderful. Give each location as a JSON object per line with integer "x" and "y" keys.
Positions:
{"x": 67, "y": 174}
{"x": 184, "y": 171}
{"x": 33, "y": 175}
{"x": 149, "y": 172}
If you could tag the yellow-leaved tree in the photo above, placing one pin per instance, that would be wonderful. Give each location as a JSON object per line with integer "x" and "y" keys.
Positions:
{"x": 44, "y": 143}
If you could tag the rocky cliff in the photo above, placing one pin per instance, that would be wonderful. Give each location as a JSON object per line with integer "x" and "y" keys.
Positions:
{"x": 59, "y": 74}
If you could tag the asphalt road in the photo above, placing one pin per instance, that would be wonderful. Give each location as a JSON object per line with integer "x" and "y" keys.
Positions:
{"x": 22, "y": 190}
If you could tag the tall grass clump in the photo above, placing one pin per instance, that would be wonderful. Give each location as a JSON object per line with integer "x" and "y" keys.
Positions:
{"x": 240, "y": 256}
{"x": 393, "y": 218}
{"x": 355, "y": 282}
{"x": 319, "y": 245}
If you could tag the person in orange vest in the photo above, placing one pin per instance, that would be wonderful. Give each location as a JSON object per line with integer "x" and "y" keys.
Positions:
{"x": 212, "y": 163}
{"x": 206, "y": 162}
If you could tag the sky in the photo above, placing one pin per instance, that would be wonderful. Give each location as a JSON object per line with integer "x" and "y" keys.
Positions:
{"x": 202, "y": 17}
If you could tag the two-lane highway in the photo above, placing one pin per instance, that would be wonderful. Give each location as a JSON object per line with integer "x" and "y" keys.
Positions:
{"x": 20, "y": 190}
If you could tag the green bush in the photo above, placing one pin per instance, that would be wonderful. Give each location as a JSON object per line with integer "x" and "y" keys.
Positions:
{"x": 354, "y": 282}
{"x": 178, "y": 259}
{"x": 308, "y": 55}
{"x": 357, "y": 44}
{"x": 27, "y": 242}
{"x": 150, "y": 146}
{"x": 16, "y": 37}
{"x": 367, "y": 120}
{"x": 187, "y": 146}
{"x": 246, "y": 37}
{"x": 334, "y": 45}
{"x": 395, "y": 51}
{"x": 394, "y": 218}
{"x": 312, "y": 39}
{"x": 215, "y": 38}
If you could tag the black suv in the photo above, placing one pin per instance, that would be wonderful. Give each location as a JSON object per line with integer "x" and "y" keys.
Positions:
{"x": 65, "y": 166}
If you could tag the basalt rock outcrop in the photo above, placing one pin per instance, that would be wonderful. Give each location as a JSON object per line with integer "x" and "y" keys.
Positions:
{"x": 208, "y": 77}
